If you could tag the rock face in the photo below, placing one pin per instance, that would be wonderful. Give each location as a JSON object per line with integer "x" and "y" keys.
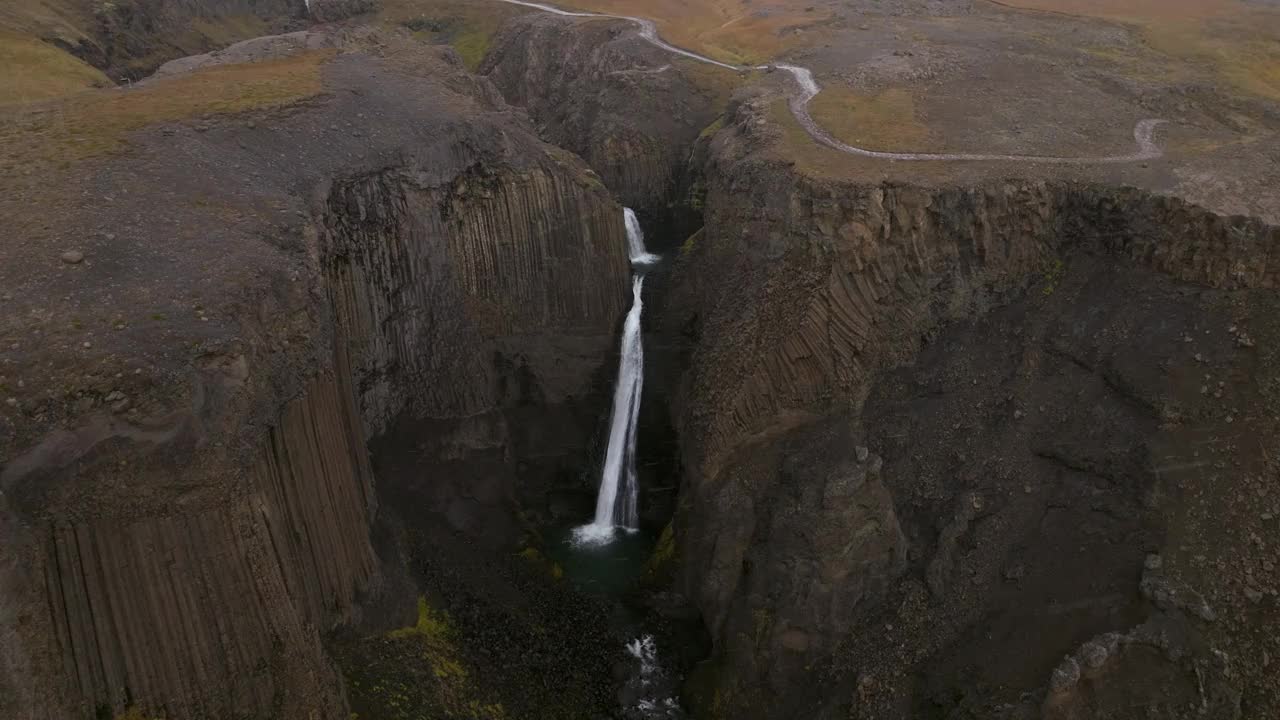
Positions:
{"x": 508, "y": 317}
{"x": 130, "y": 39}
{"x": 631, "y": 110}
{"x": 802, "y": 298}
{"x": 797, "y": 536}
{"x": 334, "y": 10}
{"x": 187, "y": 497}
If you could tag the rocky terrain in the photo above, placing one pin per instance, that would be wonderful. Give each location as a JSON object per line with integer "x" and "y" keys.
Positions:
{"x": 306, "y": 344}
{"x": 973, "y": 443}
{"x": 862, "y": 448}
{"x": 187, "y": 494}
{"x": 629, "y": 109}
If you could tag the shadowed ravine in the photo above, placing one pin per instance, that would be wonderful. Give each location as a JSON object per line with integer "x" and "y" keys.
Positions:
{"x": 808, "y": 88}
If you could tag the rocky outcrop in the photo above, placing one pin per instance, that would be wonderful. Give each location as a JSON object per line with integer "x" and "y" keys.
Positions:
{"x": 797, "y": 299}
{"x": 334, "y": 10}
{"x": 796, "y": 537}
{"x": 204, "y": 607}
{"x": 631, "y": 110}
{"x": 187, "y": 496}
{"x": 456, "y": 345}
{"x": 130, "y": 39}
{"x": 853, "y": 274}
{"x": 507, "y": 277}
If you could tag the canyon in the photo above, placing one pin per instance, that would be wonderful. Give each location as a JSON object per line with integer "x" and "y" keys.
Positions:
{"x": 313, "y": 349}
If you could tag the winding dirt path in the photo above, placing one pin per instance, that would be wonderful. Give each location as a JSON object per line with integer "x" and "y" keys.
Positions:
{"x": 808, "y": 88}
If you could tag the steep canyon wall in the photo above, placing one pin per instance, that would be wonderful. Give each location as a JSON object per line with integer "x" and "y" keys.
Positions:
{"x": 800, "y": 525}
{"x": 181, "y": 542}
{"x": 914, "y": 416}
{"x": 631, "y": 110}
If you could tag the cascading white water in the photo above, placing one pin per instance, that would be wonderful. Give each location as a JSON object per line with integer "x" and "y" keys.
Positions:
{"x": 650, "y": 692}
{"x": 616, "y": 503}
{"x": 635, "y": 240}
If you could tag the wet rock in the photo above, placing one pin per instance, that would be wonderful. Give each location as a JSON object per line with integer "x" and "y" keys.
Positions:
{"x": 638, "y": 138}
{"x": 795, "y": 640}
{"x": 1065, "y": 676}
{"x": 1167, "y": 596}
{"x": 1094, "y": 655}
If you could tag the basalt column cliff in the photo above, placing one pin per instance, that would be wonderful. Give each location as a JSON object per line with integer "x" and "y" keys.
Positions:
{"x": 187, "y": 494}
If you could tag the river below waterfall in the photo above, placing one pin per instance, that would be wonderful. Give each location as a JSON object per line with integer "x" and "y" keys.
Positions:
{"x": 607, "y": 555}
{"x": 648, "y": 689}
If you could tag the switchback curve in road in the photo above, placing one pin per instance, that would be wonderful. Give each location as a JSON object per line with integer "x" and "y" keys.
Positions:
{"x": 807, "y": 88}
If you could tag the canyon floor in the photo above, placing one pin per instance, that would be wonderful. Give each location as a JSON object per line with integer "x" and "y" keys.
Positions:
{"x": 960, "y": 400}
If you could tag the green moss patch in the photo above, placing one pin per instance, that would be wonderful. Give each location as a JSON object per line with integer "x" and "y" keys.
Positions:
{"x": 417, "y": 672}
{"x": 662, "y": 560}
{"x": 540, "y": 561}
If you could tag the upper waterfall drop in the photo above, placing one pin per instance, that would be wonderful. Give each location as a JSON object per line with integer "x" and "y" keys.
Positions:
{"x": 635, "y": 240}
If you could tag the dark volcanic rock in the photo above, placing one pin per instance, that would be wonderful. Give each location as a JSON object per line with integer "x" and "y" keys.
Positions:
{"x": 128, "y": 40}
{"x": 275, "y": 294}
{"x": 1026, "y": 357}
{"x": 334, "y": 10}
{"x": 802, "y": 537}
{"x": 631, "y": 110}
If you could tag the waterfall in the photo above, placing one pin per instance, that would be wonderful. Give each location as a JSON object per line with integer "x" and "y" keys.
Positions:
{"x": 650, "y": 692}
{"x": 616, "y": 504}
{"x": 635, "y": 240}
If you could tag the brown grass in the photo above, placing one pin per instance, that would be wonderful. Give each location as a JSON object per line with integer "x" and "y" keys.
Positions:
{"x": 35, "y": 71}
{"x": 887, "y": 121}
{"x": 819, "y": 161}
{"x": 735, "y": 31}
{"x": 1244, "y": 55}
{"x": 1133, "y": 10}
{"x": 1228, "y": 38}
{"x": 60, "y": 133}
{"x": 64, "y": 19}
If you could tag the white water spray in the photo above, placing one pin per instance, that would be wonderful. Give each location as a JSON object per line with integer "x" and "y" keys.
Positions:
{"x": 616, "y": 503}
{"x": 651, "y": 689}
{"x": 635, "y": 240}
